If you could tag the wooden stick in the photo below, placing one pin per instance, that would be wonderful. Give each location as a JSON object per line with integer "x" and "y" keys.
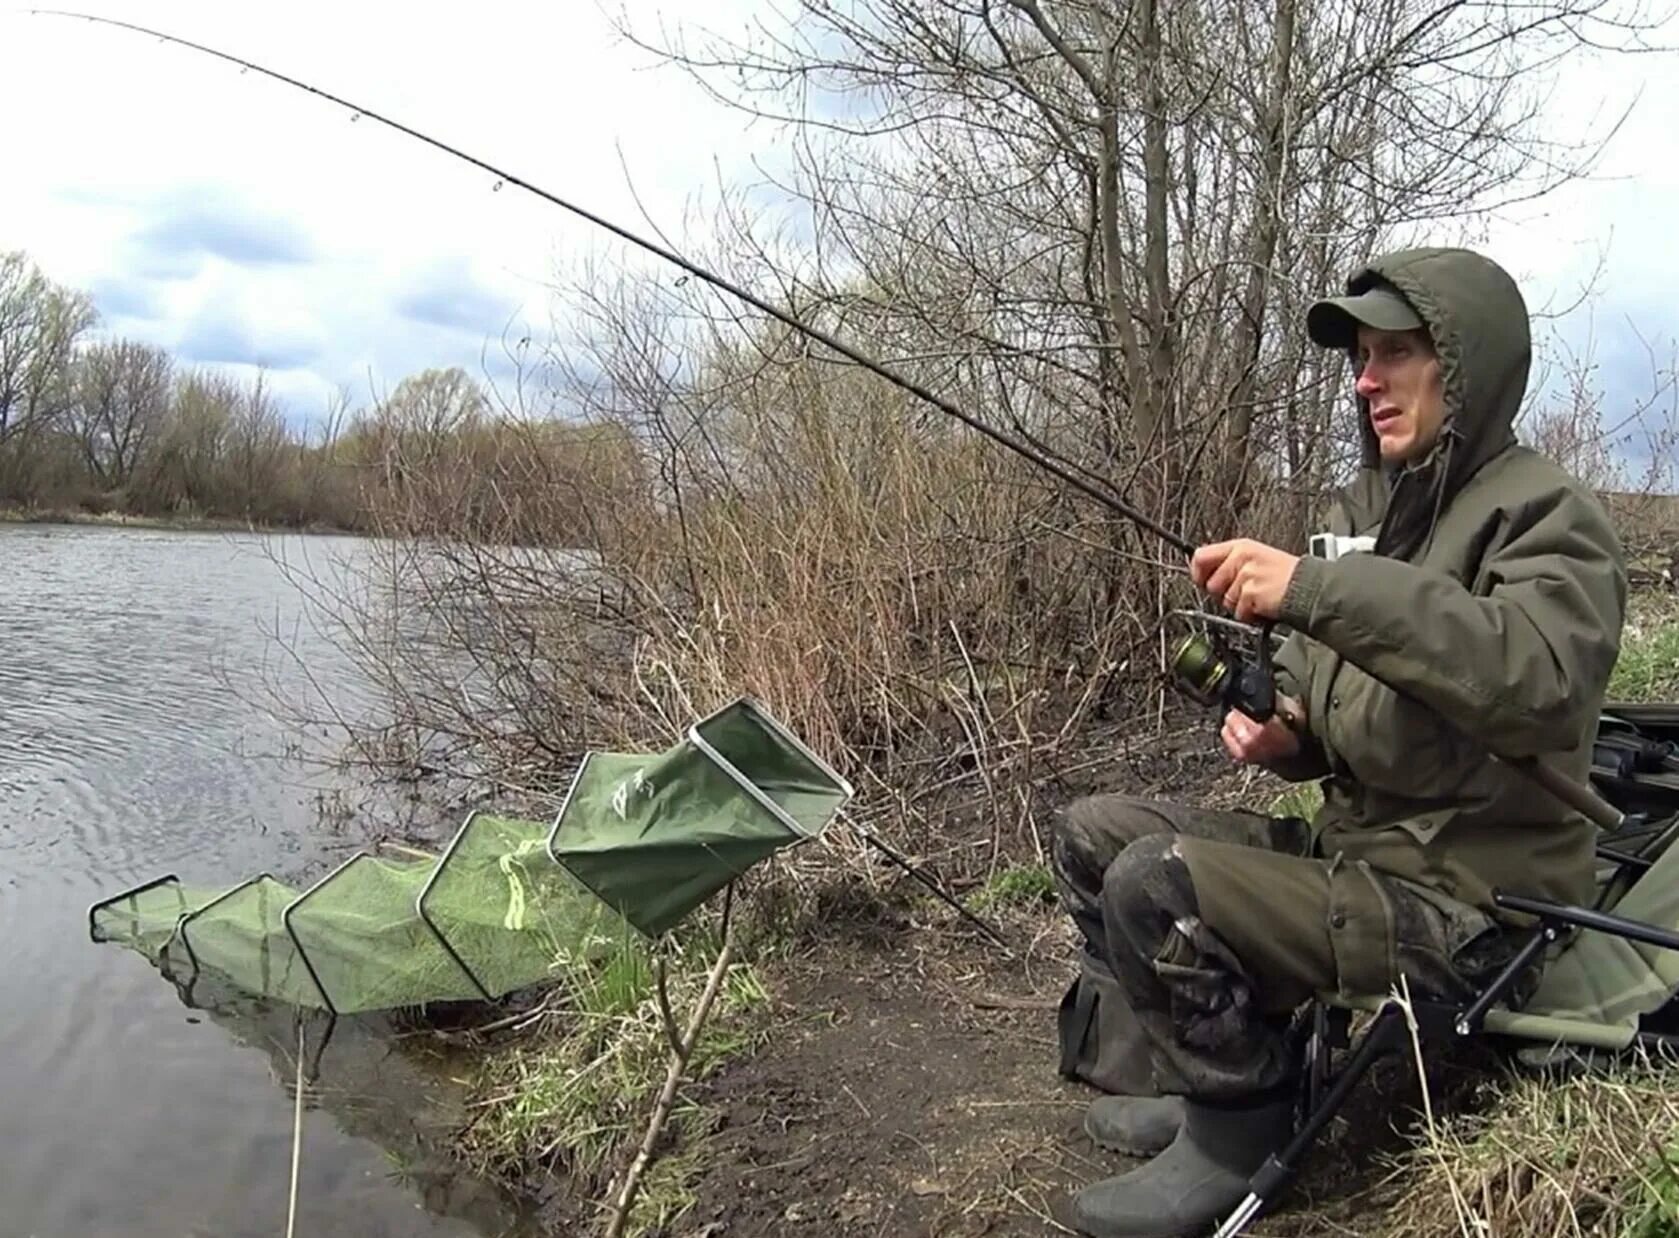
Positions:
{"x": 679, "y": 1055}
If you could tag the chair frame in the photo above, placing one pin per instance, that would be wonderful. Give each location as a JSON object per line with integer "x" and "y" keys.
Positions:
{"x": 1325, "y": 1090}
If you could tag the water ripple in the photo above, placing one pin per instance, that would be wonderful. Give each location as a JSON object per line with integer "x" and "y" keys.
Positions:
{"x": 135, "y": 739}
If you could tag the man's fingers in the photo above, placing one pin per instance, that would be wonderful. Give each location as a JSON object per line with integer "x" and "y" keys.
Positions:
{"x": 1239, "y": 733}
{"x": 1228, "y": 570}
{"x": 1206, "y": 560}
{"x": 1231, "y": 745}
{"x": 1236, "y": 593}
{"x": 1243, "y": 606}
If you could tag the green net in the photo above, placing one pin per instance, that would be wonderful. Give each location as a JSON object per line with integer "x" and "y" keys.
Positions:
{"x": 242, "y": 936}
{"x": 641, "y": 840}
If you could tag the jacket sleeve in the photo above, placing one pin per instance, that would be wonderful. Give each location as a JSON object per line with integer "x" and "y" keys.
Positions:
{"x": 1521, "y": 663}
{"x": 1290, "y": 665}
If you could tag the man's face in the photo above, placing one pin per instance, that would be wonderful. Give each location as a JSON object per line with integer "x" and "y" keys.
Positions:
{"x": 1399, "y": 374}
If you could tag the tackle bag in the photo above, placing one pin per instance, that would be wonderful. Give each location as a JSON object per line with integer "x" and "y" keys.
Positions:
{"x": 1102, "y": 1043}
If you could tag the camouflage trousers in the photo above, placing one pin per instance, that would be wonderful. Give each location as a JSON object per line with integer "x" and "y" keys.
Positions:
{"x": 1219, "y": 925}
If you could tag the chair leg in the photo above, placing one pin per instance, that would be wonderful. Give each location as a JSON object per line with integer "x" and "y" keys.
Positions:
{"x": 1386, "y": 1034}
{"x": 1329, "y": 1032}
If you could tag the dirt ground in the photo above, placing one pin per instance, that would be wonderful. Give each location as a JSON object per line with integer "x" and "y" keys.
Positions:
{"x": 911, "y": 1089}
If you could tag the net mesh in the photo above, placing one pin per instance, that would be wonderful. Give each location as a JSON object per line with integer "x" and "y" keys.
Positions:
{"x": 641, "y": 840}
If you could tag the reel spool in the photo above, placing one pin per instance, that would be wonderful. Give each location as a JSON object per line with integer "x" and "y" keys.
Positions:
{"x": 1211, "y": 674}
{"x": 1199, "y": 670}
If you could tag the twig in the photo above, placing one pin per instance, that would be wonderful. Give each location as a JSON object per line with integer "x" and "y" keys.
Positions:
{"x": 994, "y": 1001}
{"x": 673, "y": 1036}
{"x": 846, "y": 1088}
{"x": 520, "y": 1019}
{"x": 412, "y": 852}
{"x": 680, "y": 1053}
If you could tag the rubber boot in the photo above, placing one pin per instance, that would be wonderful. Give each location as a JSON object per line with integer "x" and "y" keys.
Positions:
{"x": 1134, "y": 1125}
{"x": 1197, "y": 1181}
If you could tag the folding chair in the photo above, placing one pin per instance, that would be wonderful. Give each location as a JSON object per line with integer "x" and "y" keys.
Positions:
{"x": 1603, "y": 969}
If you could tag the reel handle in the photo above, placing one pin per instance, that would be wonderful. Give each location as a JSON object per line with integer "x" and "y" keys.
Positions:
{"x": 1292, "y": 713}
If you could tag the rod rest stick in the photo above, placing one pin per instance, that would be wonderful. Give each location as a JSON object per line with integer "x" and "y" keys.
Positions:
{"x": 1577, "y": 796}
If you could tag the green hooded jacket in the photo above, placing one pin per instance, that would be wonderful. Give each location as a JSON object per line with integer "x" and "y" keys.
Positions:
{"x": 1487, "y": 620}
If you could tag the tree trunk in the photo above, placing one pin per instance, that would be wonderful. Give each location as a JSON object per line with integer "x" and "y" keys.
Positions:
{"x": 1262, "y": 252}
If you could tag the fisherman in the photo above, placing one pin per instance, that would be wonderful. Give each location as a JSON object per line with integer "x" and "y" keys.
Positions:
{"x": 1485, "y": 618}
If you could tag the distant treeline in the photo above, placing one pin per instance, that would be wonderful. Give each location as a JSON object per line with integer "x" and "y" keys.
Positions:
{"x": 95, "y": 424}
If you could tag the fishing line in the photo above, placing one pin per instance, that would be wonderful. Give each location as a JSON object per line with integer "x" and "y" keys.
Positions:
{"x": 1580, "y": 797}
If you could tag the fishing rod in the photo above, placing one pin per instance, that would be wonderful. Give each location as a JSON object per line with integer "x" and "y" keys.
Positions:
{"x": 868, "y": 835}
{"x": 827, "y": 339}
{"x": 1198, "y": 661}
{"x": 1104, "y": 495}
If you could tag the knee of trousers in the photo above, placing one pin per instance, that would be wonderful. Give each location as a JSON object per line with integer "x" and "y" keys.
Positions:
{"x": 1090, "y": 832}
{"x": 1147, "y": 887}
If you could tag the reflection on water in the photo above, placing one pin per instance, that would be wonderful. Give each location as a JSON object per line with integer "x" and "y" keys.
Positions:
{"x": 133, "y": 741}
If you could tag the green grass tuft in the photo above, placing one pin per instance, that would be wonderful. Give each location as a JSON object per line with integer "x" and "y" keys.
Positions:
{"x": 1303, "y": 799}
{"x": 1648, "y": 668}
{"x": 1592, "y": 1154}
{"x": 574, "y": 1098}
{"x": 1024, "y": 885}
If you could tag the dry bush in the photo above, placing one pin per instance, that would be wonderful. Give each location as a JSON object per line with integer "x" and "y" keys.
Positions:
{"x": 915, "y": 603}
{"x": 1628, "y": 453}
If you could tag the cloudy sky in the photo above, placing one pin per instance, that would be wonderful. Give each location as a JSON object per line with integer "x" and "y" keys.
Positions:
{"x": 235, "y": 220}
{"x": 238, "y": 222}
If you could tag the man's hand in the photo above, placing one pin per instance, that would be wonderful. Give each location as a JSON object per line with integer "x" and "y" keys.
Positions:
{"x": 1257, "y": 743}
{"x": 1249, "y": 577}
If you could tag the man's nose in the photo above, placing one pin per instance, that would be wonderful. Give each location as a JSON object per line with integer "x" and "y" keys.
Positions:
{"x": 1368, "y": 381}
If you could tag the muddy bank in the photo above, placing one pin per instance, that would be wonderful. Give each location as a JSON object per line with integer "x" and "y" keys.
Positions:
{"x": 177, "y": 524}
{"x": 911, "y": 1089}
{"x": 906, "y": 1083}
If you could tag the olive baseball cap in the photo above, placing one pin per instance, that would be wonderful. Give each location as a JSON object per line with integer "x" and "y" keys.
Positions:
{"x": 1334, "y": 321}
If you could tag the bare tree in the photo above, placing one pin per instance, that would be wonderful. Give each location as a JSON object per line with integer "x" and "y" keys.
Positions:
{"x": 122, "y": 391}
{"x": 1104, "y": 220}
{"x": 184, "y": 469}
{"x": 40, "y": 324}
{"x": 428, "y": 408}
{"x": 258, "y": 449}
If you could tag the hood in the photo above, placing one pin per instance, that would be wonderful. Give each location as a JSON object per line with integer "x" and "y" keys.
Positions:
{"x": 1479, "y": 324}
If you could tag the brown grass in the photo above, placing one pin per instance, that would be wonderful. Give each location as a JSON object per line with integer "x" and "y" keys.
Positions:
{"x": 1594, "y": 1154}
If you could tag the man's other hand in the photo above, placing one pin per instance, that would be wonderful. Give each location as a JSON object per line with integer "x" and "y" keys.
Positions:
{"x": 1257, "y": 743}
{"x": 1249, "y": 577}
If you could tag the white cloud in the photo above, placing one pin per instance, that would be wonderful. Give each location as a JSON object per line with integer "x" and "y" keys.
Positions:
{"x": 1599, "y": 258}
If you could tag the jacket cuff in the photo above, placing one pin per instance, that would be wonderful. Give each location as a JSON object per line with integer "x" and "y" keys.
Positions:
{"x": 1301, "y": 596}
{"x": 1307, "y": 765}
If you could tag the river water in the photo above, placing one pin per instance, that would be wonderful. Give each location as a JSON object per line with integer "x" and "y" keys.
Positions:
{"x": 135, "y": 670}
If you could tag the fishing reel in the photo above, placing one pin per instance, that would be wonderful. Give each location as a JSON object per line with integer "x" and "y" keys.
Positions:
{"x": 1212, "y": 671}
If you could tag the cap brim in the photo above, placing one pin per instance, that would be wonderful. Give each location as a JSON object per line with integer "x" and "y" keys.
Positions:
{"x": 1334, "y": 321}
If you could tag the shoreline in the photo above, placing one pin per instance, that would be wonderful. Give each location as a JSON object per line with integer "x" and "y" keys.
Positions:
{"x": 172, "y": 524}
{"x": 968, "y": 1128}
